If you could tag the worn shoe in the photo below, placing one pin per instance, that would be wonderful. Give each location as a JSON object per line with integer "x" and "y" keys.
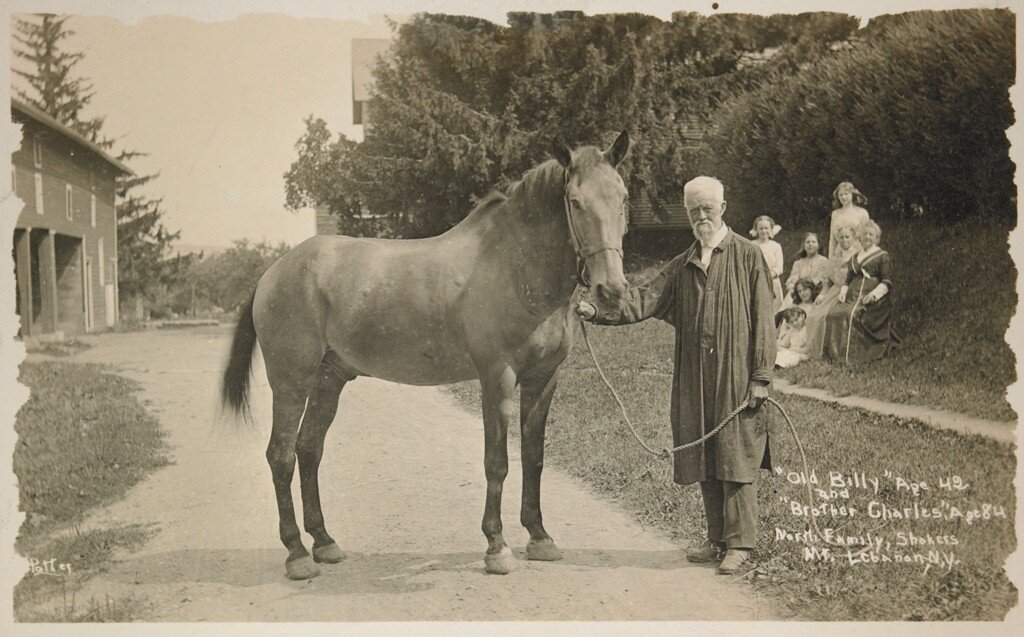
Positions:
{"x": 734, "y": 559}
{"x": 710, "y": 552}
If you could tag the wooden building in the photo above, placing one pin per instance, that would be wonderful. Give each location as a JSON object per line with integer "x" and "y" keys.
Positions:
{"x": 65, "y": 239}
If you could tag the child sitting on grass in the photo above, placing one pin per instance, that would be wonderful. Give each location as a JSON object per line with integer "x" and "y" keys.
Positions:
{"x": 792, "y": 343}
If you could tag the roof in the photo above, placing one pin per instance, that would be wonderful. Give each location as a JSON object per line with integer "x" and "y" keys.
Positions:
{"x": 364, "y": 57}
{"x": 47, "y": 120}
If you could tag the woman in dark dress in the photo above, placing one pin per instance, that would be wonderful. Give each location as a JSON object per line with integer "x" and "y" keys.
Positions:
{"x": 857, "y": 328}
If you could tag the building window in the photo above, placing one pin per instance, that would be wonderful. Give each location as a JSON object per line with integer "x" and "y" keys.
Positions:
{"x": 92, "y": 211}
{"x": 37, "y": 151}
{"x": 68, "y": 204}
{"x": 39, "y": 193}
{"x": 14, "y": 181}
{"x": 103, "y": 262}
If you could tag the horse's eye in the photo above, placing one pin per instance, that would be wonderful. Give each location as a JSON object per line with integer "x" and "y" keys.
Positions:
{"x": 576, "y": 203}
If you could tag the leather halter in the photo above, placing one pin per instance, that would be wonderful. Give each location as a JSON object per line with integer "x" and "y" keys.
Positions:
{"x": 582, "y": 278}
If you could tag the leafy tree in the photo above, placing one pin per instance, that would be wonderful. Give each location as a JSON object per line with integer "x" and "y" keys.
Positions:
{"x": 227, "y": 279}
{"x": 143, "y": 240}
{"x": 318, "y": 177}
{"x": 462, "y": 105}
{"x": 914, "y": 113}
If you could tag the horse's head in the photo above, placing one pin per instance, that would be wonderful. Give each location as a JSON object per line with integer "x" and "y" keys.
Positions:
{"x": 595, "y": 204}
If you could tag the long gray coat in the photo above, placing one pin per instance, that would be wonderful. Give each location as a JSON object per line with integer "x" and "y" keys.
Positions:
{"x": 725, "y": 333}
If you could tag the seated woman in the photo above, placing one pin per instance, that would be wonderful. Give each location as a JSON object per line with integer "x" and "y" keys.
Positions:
{"x": 857, "y": 328}
{"x": 847, "y": 246}
{"x": 810, "y": 264}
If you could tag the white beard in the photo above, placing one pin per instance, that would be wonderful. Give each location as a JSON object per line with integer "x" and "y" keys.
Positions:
{"x": 703, "y": 232}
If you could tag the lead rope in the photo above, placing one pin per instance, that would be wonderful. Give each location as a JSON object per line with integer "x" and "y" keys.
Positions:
{"x": 667, "y": 453}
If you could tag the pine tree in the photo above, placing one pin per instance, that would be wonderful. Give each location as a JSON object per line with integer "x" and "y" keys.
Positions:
{"x": 54, "y": 89}
{"x": 143, "y": 241}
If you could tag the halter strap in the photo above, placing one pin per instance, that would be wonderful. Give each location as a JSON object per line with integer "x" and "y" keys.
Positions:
{"x": 581, "y": 277}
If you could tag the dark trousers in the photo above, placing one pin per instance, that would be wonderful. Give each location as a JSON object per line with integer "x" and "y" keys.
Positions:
{"x": 731, "y": 510}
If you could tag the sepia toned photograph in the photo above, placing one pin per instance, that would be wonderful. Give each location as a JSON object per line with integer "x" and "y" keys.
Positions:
{"x": 312, "y": 310}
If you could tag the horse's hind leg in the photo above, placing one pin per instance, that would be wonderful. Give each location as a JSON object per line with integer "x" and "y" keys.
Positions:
{"x": 320, "y": 412}
{"x": 288, "y": 407}
{"x": 535, "y": 401}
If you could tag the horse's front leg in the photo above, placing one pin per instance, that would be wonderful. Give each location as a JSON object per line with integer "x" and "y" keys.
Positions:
{"x": 498, "y": 388}
{"x": 535, "y": 401}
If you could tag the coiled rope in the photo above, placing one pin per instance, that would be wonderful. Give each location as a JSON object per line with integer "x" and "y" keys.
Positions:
{"x": 667, "y": 453}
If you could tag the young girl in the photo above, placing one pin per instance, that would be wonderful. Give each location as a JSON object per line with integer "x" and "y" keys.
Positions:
{"x": 764, "y": 229}
{"x": 792, "y": 344}
{"x": 805, "y": 293}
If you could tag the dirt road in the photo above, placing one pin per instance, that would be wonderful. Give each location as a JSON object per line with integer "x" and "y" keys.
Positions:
{"x": 402, "y": 485}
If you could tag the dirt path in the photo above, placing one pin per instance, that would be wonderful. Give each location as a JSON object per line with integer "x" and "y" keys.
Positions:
{"x": 402, "y": 485}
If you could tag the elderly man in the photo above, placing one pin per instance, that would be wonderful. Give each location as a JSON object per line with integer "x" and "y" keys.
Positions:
{"x": 718, "y": 296}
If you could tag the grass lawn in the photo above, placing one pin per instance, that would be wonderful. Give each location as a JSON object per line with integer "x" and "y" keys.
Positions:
{"x": 587, "y": 439}
{"x": 83, "y": 441}
{"x": 954, "y": 296}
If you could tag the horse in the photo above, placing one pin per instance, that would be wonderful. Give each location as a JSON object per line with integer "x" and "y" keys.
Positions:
{"x": 489, "y": 299}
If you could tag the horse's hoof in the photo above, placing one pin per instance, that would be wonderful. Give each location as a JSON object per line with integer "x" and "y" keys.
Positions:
{"x": 330, "y": 554}
{"x": 543, "y": 550}
{"x": 302, "y": 568}
{"x": 500, "y": 563}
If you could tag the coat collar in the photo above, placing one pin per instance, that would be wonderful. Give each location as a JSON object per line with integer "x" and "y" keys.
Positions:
{"x": 693, "y": 253}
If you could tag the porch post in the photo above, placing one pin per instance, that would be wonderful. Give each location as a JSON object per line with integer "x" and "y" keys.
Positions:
{"x": 23, "y": 253}
{"x": 49, "y": 257}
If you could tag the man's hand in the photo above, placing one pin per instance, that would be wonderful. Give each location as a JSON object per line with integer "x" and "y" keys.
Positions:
{"x": 585, "y": 310}
{"x": 756, "y": 395}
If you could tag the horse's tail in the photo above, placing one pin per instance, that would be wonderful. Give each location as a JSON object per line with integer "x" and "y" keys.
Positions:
{"x": 234, "y": 391}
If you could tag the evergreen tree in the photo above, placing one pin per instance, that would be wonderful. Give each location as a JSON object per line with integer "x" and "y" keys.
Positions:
{"x": 143, "y": 241}
{"x": 50, "y": 76}
{"x": 461, "y": 105}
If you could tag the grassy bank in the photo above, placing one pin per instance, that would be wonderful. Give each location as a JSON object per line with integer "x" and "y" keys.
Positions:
{"x": 587, "y": 439}
{"x": 83, "y": 441}
{"x": 954, "y": 295}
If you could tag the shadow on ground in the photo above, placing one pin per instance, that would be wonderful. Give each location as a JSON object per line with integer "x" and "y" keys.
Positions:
{"x": 359, "y": 573}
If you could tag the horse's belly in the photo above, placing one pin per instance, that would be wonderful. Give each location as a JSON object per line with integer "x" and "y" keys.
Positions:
{"x": 405, "y": 354}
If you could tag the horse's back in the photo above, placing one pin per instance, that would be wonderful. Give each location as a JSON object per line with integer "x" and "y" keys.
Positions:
{"x": 384, "y": 307}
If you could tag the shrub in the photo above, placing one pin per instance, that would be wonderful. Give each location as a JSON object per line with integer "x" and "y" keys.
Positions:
{"x": 914, "y": 112}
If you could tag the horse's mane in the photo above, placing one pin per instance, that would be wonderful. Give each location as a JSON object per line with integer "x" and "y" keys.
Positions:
{"x": 545, "y": 179}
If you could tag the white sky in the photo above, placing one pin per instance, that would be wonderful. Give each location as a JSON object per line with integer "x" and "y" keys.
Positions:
{"x": 219, "y": 106}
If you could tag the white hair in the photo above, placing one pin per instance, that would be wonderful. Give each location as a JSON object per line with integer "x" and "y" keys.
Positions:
{"x": 874, "y": 226}
{"x": 704, "y": 185}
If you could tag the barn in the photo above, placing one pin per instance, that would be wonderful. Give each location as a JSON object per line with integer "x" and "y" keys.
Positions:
{"x": 65, "y": 239}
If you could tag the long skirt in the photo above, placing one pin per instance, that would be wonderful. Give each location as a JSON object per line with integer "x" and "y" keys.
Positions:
{"x": 854, "y": 332}
{"x": 817, "y": 313}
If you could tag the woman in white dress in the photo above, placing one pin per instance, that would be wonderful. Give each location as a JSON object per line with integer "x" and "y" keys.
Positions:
{"x": 810, "y": 264}
{"x": 764, "y": 229}
{"x": 847, "y": 213}
{"x": 835, "y": 277}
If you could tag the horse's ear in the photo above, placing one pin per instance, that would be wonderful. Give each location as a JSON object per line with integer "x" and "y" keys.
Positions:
{"x": 618, "y": 149}
{"x": 562, "y": 153}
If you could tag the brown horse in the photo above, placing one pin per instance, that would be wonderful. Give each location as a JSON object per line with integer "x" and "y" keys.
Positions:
{"x": 489, "y": 299}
